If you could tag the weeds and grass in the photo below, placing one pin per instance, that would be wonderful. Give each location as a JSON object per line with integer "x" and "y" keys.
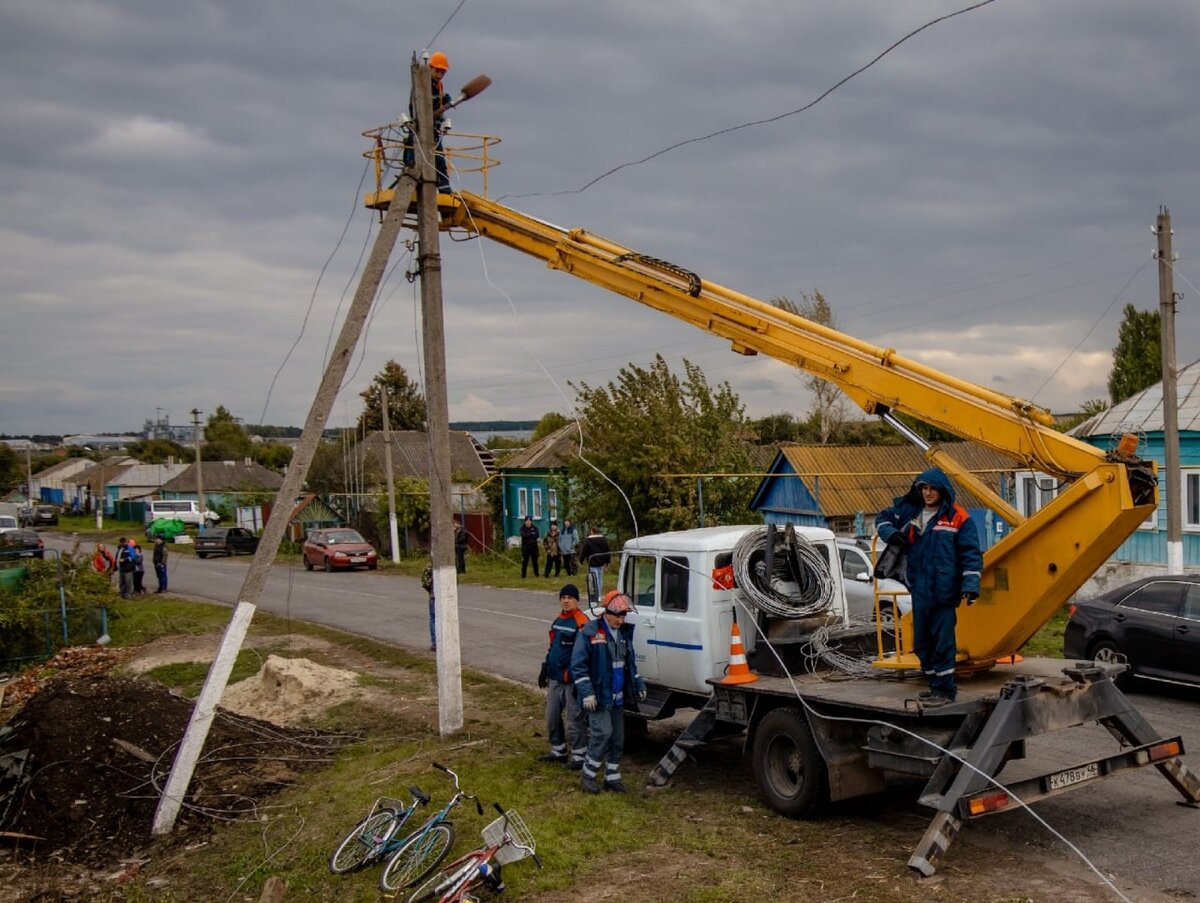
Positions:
{"x": 1048, "y": 641}
{"x": 188, "y": 677}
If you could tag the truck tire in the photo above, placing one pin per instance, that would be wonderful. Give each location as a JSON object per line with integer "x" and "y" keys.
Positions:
{"x": 791, "y": 774}
{"x": 202, "y": 555}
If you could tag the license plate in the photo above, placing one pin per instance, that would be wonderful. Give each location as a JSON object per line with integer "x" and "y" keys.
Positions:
{"x": 357, "y": 559}
{"x": 1072, "y": 776}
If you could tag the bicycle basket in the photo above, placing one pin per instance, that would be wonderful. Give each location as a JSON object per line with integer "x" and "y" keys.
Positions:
{"x": 520, "y": 841}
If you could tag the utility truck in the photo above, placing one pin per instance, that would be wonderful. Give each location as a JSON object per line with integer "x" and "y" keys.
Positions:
{"x": 814, "y": 739}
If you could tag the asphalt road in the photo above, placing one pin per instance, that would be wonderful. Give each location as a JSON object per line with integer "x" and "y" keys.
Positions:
{"x": 1129, "y": 826}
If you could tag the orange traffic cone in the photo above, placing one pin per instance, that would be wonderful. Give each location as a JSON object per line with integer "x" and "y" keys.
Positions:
{"x": 739, "y": 671}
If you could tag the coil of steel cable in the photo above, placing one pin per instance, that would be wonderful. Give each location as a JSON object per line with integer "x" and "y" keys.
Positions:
{"x": 800, "y": 583}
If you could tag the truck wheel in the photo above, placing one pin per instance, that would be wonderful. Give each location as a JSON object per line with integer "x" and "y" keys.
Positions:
{"x": 788, "y": 767}
{"x": 201, "y": 555}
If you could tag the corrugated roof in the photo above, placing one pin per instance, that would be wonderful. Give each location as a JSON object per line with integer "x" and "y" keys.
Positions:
{"x": 225, "y": 475}
{"x": 410, "y": 454}
{"x": 1143, "y": 412}
{"x": 554, "y": 450}
{"x": 148, "y": 475}
{"x": 855, "y": 478}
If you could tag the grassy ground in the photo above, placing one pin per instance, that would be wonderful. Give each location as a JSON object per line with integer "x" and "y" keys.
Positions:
{"x": 706, "y": 838}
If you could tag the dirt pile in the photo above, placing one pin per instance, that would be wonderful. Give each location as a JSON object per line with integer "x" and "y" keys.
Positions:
{"x": 100, "y": 749}
{"x": 287, "y": 690}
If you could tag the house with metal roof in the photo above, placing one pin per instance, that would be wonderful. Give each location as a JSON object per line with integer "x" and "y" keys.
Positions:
{"x": 1142, "y": 415}
{"x": 843, "y": 487}
{"x": 225, "y": 483}
{"x": 534, "y": 481}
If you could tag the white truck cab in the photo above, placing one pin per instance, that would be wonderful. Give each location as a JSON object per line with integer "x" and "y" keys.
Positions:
{"x": 684, "y": 611}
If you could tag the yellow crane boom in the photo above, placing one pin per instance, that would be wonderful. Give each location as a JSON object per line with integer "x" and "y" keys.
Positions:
{"x": 1027, "y": 575}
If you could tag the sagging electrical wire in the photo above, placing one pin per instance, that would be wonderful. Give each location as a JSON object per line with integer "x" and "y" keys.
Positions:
{"x": 798, "y": 583}
{"x": 768, "y": 120}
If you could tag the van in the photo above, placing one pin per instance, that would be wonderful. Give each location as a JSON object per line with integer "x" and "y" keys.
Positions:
{"x": 186, "y": 510}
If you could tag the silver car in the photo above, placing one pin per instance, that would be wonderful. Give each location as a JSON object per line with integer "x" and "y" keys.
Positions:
{"x": 860, "y": 586}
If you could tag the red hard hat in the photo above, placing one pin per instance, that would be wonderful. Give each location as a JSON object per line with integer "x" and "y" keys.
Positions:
{"x": 438, "y": 60}
{"x": 616, "y": 602}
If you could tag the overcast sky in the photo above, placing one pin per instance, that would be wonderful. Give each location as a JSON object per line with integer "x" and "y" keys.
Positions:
{"x": 174, "y": 176}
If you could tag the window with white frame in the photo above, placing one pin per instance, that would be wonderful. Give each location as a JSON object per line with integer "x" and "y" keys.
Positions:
{"x": 537, "y": 504}
{"x": 1034, "y": 492}
{"x": 1191, "y": 499}
{"x": 552, "y": 499}
{"x": 523, "y": 503}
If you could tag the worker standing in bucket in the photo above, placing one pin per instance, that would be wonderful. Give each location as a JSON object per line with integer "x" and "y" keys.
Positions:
{"x": 439, "y": 65}
{"x": 606, "y": 680}
{"x": 945, "y": 561}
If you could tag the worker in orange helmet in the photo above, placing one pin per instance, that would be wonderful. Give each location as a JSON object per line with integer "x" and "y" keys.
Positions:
{"x": 439, "y": 65}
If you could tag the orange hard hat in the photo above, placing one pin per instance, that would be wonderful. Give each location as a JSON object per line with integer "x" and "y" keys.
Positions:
{"x": 616, "y": 602}
{"x": 438, "y": 60}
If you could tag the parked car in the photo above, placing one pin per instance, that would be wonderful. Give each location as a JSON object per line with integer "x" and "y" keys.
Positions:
{"x": 225, "y": 541}
{"x": 8, "y": 523}
{"x": 186, "y": 510}
{"x": 21, "y": 543}
{"x": 859, "y": 584}
{"x": 1152, "y": 623}
{"x": 39, "y": 516}
{"x": 338, "y": 548}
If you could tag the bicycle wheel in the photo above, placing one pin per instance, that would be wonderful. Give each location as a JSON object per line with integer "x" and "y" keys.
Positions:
{"x": 418, "y": 857}
{"x": 363, "y": 843}
{"x": 454, "y": 878}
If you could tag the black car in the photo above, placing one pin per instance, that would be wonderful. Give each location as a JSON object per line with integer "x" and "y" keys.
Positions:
{"x": 225, "y": 541}
{"x": 21, "y": 543}
{"x": 39, "y": 516}
{"x": 1152, "y": 623}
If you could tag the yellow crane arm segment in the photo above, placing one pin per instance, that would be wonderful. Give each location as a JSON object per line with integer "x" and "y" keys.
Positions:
{"x": 877, "y": 379}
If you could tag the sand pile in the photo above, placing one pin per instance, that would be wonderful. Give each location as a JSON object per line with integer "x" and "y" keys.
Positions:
{"x": 288, "y": 690}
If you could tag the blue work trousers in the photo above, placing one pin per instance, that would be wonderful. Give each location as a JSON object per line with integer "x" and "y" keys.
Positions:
{"x": 934, "y": 644}
{"x": 606, "y": 743}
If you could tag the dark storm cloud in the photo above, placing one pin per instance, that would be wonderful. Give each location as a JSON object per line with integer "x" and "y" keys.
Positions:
{"x": 175, "y": 176}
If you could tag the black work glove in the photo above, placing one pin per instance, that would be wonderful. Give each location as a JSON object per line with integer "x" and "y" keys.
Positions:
{"x": 970, "y": 597}
{"x": 897, "y": 541}
{"x": 544, "y": 676}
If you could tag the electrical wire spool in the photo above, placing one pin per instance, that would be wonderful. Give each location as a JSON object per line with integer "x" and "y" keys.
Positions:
{"x": 799, "y": 583}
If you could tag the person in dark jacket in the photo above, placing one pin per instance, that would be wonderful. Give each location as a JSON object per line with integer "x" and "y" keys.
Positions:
{"x": 427, "y": 585}
{"x": 439, "y": 65}
{"x": 125, "y": 565}
{"x": 595, "y": 555}
{"x": 160, "y": 564}
{"x": 604, "y": 669}
{"x": 945, "y": 561}
{"x": 139, "y": 568}
{"x": 555, "y": 678}
{"x": 461, "y": 539}
{"x": 553, "y": 551}
{"x": 530, "y": 535}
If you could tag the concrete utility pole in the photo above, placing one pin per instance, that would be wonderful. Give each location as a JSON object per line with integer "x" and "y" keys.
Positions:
{"x": 29, "y": 477}
{"x": 441, "y": 530}
{"x": 285, "y": 502}
{"x": 199, "y": 469}
{"x": 393, "y": 533}
{"x": 1166, "y": 311}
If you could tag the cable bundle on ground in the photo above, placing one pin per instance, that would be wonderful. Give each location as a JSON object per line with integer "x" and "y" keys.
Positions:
{"x": 799, "y": 583}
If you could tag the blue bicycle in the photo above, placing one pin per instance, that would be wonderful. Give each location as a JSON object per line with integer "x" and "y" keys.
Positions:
{"x": 424, "y": 849}
{"x": 377, "y": 835}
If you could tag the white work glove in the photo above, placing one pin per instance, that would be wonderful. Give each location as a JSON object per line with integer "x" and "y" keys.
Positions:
{"x": 589, "y": 703}
{"x": 641, "y": 694}
{"x": 446, "y": 123}
{"x": 405, "y": 120}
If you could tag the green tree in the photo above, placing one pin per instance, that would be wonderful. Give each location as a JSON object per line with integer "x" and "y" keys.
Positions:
{"x": 548, "y": 424}
{"x": 157, "y": 451}
{"x": 273, "y": 455}
{"x": 12, "y": 469}
{"x": 828, "y": 408}
{"x": 224, "y": 438}
{"x": 1137, "y": 357}
{"x": 406, "y": 404}
{"x": 648, "y": 423}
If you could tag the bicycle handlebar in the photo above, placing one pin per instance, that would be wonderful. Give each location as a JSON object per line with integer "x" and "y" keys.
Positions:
{"x": 441, "y": 767}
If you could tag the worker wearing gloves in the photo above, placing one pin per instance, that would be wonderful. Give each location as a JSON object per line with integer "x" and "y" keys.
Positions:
{"x": 555, "y": 678}
{"x": 606, "y": 680}
{"x": 945, "y": 561}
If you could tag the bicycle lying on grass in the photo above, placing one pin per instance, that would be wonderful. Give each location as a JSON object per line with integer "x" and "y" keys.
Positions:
{"x": 421, "y": 851}
{"x": 506, "y": 840}
{"x": 377, "y": 835}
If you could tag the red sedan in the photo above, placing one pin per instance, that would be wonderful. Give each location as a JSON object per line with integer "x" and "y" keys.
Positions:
{"x": 338, "y": 548}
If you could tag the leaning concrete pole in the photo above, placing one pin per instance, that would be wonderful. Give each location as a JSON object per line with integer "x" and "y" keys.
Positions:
{"x": 445, "y": 578}
{"x": 285, "y": 502}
